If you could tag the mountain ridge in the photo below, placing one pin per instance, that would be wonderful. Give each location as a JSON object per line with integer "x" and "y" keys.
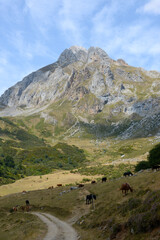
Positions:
{"x": 96, "y": 87}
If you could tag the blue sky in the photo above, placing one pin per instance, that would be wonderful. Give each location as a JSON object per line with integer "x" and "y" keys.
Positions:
{"x": 33, "y": 33}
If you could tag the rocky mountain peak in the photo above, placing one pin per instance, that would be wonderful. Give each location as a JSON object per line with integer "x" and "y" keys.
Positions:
{"x": 98, "y": 54}
{"x": 72, "y": 54}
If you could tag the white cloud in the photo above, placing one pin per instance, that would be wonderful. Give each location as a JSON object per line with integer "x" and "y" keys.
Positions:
{"x": 151, "y": 7}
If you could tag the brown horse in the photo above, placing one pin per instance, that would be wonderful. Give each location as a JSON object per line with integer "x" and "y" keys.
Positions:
{"x": 93, "y": 182}
{"x": 59, "y": 185}
{"x": 126, "y": 187}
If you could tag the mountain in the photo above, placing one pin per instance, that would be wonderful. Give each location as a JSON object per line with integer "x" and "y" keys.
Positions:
{"x": 85, "y": 93}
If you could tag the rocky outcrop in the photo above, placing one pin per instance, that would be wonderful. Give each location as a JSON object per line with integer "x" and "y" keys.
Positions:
{"x": 94, "y": 84}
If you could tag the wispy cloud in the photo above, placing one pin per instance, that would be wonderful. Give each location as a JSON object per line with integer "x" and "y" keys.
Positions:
{"x": 152, "y": 7}
{"x": 34, "y": 32}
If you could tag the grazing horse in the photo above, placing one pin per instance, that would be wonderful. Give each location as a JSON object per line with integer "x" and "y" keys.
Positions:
{"x": 14, "y": 209}
{"x": 93, "y": 182}
{"x": 27, "y": 203}
{"x": 128, "y": 173}
{"x": 104, "y": 179}
{"x": 59, "y": 185}
{"x": 80, "y": 185}
{"x": 155, "y": 167}
{"x": 125, "y": 187}
{"x": 89, "y": 198}
{"x": 23, "y": 208}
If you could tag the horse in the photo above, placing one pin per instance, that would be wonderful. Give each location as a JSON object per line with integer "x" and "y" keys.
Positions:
{"x": 80, "y": 185}
{"x": 27, "y": 203}
{"x": 155, "y": 167}
{"x": 104, "y": 179}
{"x": 128, "y": 173}
{"x": 59, "y": 185}
{"x": 93, "y": 182}
{"x": 125, "y": 187}
{"x": 25, "y": 208}
{"x": 14, "y": 209}
{"x": 89, "y": 198}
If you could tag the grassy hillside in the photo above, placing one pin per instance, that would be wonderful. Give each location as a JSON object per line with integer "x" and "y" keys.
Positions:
{"x": 22, "y": 153}
{"x": 134, "y": 216}
{"x": 29, "y": 142}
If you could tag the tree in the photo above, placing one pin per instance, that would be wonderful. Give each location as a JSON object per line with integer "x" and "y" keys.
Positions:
{"x": 154, "y": 155}
{"x": 9, "y": 162}
{"x": 142, "y": 165}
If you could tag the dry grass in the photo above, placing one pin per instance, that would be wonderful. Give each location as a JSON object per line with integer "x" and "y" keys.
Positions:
{"x": 42, "y": 182}
{"x": 71, "y": 205}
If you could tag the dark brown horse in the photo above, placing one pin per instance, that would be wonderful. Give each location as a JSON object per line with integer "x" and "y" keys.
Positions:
{"x": 104, "y": 179}
{"x": 59, "y": 185}
{"x": 125, "y": 188}
{"x": 93, "y": 182}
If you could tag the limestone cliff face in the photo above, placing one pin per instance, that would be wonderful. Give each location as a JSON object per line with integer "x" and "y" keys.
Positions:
{"x": 95, "y": 85}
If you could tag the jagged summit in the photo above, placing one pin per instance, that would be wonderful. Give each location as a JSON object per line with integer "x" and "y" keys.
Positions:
{"x": 76, "y": 53}
{"x": 72, "y": 54}
{"x": 75, "y": 49}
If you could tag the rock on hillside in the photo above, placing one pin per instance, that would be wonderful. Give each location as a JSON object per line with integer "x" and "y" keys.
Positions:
{"x": 98, "y": 88}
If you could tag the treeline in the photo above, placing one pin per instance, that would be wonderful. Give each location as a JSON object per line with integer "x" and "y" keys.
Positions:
{"x": 9, "y": 171}
{"x": 153, "y": 159}
{"x": 16, "y": 163}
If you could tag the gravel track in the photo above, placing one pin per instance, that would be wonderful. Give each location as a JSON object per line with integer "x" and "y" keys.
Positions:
{"x": 57, "y": 229}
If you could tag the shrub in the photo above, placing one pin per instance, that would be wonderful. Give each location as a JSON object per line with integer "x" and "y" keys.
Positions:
{"x": 9, "y": 162}
{"x": 129, "y": 205}
{"x": 116, "y": 228}
{"x": 144, "y": 222}
{"x": 154, "y": 155}
{"x": 86, "y": 180}
{"x": 142, "y": 165}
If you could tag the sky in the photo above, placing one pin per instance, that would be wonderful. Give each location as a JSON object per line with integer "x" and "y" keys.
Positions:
{"x": 33, "y": 33}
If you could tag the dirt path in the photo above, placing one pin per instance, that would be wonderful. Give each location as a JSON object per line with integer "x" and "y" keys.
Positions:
{"x": 57, "y": 229}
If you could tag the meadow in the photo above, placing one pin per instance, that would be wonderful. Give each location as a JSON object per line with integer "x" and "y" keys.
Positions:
{"x": 134, "y": 216}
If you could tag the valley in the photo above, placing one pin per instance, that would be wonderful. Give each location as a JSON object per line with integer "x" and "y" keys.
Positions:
{"x": 74, "y": 121}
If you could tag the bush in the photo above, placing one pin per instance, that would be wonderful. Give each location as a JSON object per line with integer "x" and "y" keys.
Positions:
{"x": 142, "y": 165}
{"x": 154, "y": 155}
{"x": 144, "y": 222}
{"x": 9, "y": 162}
{"x": 86, "y": 180}
{"x": 129, "y": 205}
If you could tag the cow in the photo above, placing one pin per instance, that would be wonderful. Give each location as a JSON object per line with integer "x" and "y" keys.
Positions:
{"x": 89, "y": 198}
{"x": 125, "y": 187}
{"x": 104, "y": 179}
{"x": 50, "y": 187}
{"x": 93, "y": 182}
{"x": 59, "y": 185}
{"x": 128, "y": 173}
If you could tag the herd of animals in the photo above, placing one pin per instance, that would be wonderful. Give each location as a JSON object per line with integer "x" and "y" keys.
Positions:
{"x": 125, "y": 187}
